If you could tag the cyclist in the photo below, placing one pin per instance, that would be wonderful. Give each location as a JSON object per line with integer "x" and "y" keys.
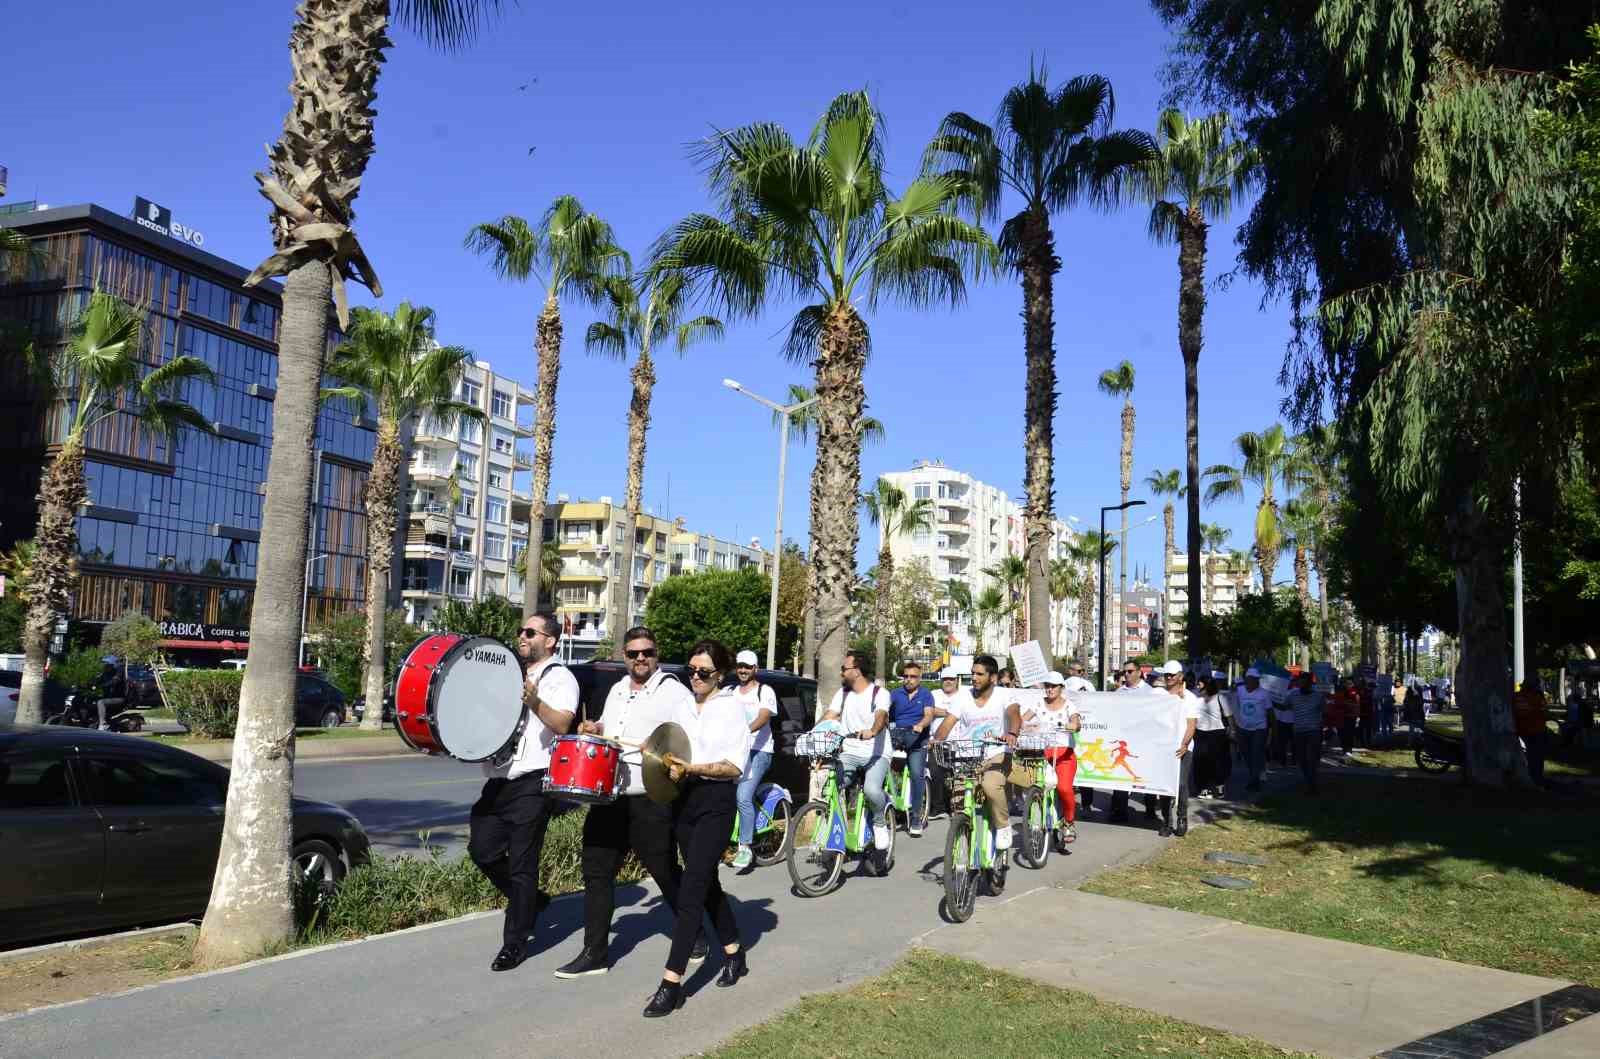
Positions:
{"x": 1050, "y": 717}
{"x": 760, "y": 704}
{"x": 861, "y": 708}
{"x": 911, "y": 715}
{"x": 950, "y": 693}
{"x": 989, "y": 715}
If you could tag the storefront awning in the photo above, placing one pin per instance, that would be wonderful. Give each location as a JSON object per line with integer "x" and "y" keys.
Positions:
{"x": 206, "y": 645}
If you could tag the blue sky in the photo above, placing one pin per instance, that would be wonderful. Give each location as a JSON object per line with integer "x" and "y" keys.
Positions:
{"x": 174, "y": 101}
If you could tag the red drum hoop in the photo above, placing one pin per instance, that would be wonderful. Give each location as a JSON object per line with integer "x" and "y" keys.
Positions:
{"x": 461, "y": 696}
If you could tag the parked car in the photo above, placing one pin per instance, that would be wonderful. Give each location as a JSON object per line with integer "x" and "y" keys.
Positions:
{"x": 143, "y": 691}
{"x": 358, "y": 706}
{"x": 55, "y": 695}
{"x": 105, "y": 831}
{"x": 317, "y": 704}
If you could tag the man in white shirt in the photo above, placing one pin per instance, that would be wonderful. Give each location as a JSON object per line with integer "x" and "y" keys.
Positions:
{"x": 634, "y": 707}
{"x": 1251, "y": 707}
{"x": 949, "y": 695}
{"x": 1128, "y": 681}
{"x": 507, "y": 826}
{"x": 1188, "y": 706}
{"x": 862, "y": 710}
{"x": 990, "y": 714}
{"x": 1076, "y": 681}
{"x": 760, "y": 704}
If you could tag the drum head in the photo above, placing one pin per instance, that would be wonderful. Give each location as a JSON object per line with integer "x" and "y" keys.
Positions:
{"x": 477, "y": 702}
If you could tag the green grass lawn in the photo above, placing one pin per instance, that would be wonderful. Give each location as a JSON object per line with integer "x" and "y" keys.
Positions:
{"x": 936, "y": 1005}
{"x": 1421, "y": 865}
{"x": 1561, "y": 762}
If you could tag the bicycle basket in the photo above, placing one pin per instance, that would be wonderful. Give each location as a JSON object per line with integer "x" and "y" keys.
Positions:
{"x": 818, "y": 744}
{"x": 1034, "y": 743}
{"x": 957, "y": 754}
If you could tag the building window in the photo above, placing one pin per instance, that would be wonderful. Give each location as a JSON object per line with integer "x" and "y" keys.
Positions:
{"x": 470, "y": 432}
{"x": 462, "y": 542}
{"x": 500, "y": 404}
{"x": 494, "y": 510}
{"x": 572, "y": 595}
{"x": 502, "y": 444}
{"x": 518, "y": 546}
{"x": 661, "y": 571}
{"x": 921, "y": 534}
{"x": 661, "y": 544}
{"x": 702, "y": 555}
{"x": 921, "y": 491}
{"x": 549, "y": 531}
{"x": 471, "y": 393}
{"x": 468, "y": 504}
{"x": 640, "y": 567}
{"x": 466, "y": 466}
{"x": 575, "y": 532}
{"x": 497, "y": 478}
{"x": 943, "y": 542}
{"x": 494, "y": 545}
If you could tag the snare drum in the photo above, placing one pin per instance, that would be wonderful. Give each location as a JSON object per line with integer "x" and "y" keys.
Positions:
{"x": 461, "y": 696}
{"x": 583, "y": 768}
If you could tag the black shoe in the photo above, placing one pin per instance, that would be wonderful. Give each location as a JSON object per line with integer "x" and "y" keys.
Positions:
{"x": 733, "y": 969}
{"x": 668, "y": 998}
{"x": 1165, "y": 830}
{"x": 589, "y": 961}
{"x": 1182, "y": 828}
{"x": 508, "y": 958}
{"x": 702, "y": 949}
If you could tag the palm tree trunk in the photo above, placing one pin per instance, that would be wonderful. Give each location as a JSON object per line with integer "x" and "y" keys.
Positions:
{"x": 1122, "y": 544}
{"x": 1493, "y": 755}
{"x": 1039, "y": 266}
{"x": 835, "y": 483}
{"x": 885, "y": 587}
{"x": 250, "y": 906}
{"x": 1191, "y": 315}
{"x": 1266, "y": 558}
{"x": 383, "y": 490}
{"x": 1085, "y": 619}
{"x": 548, "y": 346}
{"x": 1302, "y": 586}
{"x": 644, "y": 381}
{"x": 61, "y": 493}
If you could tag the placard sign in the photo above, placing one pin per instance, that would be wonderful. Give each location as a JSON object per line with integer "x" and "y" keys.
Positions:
{"x": 1028, "y": 659}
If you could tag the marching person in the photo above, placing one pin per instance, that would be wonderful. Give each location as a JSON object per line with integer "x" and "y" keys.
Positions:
{"x": 1306, "y": 706}
{"x": 1188, "y": 706}
{"x": 1076, "y": 681}
{"x": 1213, "y": 764}
{"x": 508, "y": 821}
{"x": 1128, "y": 680}
{"x": 1056, "y": 715}
{"x": 910, "y": 717}
{"x": 990, "y": 714}
{"x": 862, "y": 709}
{"x": 702, "y": 816}
{"x": 760, "y": 704}
{"x": 949, "y": 695}
{"x": 1252, "y": 704}
{"x": 635, "y": 706}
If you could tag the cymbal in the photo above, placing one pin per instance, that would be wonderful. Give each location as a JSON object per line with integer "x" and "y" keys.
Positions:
{"x": 668, "y": 738}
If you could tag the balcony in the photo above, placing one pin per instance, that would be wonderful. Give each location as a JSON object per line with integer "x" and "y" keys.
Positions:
{"x": 463, "y": 559}
{"x": 429, "y": 473}
{"x": 522, "y": 461}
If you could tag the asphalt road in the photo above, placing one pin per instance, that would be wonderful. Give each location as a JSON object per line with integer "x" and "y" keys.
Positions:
{"x": 398, "y": 798}
{"x": 429, "y": 991}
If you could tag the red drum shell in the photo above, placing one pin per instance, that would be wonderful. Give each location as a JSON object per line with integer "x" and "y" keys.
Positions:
{"x": 583, "y": 768}
{"x": 461, "y": 696}
{"x": 413, "y": 718}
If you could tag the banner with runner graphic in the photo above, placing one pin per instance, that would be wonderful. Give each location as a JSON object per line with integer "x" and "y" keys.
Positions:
{"x": 1128, "y": 741}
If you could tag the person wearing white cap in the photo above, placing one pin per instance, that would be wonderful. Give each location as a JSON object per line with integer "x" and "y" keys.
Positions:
{"x": 1076, "y": 681}
{"x": 1188, "y": 705}
{"x": 1251, "y": 707}
{"x": 1056, "y": 716}
{"x": 948, "y": 698}
{"x": 760, "y": 705}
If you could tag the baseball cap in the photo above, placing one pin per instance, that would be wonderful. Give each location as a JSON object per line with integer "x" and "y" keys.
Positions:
{"x": 1054, "y": 677}
{"x": 746, "y": 658}
{"x": 1171, "y": 667}
{"x": 1217, "y": 674}
{"x": 1253, "y": 672}
{"x": 947, "y": 673}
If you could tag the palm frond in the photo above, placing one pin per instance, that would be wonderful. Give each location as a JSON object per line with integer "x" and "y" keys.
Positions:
{"x": 446, "y": 24}
{"x": 166, "y": 417}
{"x": 606, "y": 340}
{"x": 1117, "y": 381}
{"x": 511, "y": 244}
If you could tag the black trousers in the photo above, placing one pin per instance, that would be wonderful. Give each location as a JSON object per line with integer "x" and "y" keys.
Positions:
{"x": 702, "y": 820}
{"x": 1213, "y": 761}
{"x": 938, "y": 788}
{"x": 632, "y": 822}
{"x": 1164, "y": 801}
{"x": 506, "y": 836}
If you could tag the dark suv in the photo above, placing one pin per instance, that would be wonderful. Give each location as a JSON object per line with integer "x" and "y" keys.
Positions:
{"x": 317, "y": 704}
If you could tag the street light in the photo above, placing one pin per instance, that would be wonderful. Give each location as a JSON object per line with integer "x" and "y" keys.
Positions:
{"x": 1103, "y": 552}
{"x": 305, "y": 596}
{"x": 784, "y": 412}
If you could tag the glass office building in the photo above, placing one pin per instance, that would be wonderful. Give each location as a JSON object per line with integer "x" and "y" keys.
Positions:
{"x": 172, "y": 529}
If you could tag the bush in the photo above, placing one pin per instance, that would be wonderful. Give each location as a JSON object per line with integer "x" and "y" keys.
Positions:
{"x": 80, "y": 667}
{"x": 205, "y": 701}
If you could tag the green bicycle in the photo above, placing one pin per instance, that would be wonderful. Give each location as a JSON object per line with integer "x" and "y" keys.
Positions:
{"x": 1041, "y": 816}
{"x": 770, "y": 841}
{"x": 969, "y": 849}
{"x": 826, "y": 829}
{"x": 898, "y": 785}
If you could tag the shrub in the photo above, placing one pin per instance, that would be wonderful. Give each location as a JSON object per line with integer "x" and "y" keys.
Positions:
{"x": 205, "y": 701}
{"x": 78, "y": 668}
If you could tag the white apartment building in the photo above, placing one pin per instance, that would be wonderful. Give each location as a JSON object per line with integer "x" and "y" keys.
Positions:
{"x": 461, "y": 535}
{"x": 1223, "y": 579}
{"x": 975, "y": 525}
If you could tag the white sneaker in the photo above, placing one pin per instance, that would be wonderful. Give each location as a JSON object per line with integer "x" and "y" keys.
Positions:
{"x": 914, "y": 831}
{"x": 880, "y": 837}
{"x": 1002, "y": 839}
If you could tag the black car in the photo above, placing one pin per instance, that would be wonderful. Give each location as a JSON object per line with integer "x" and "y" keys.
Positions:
{"x": 55, "y": 694}
{"x": 358, "y": 706}
{"x": 105, "y": 831}
{"x": 797, "y": 704}
{"x": 317, "y": 704}
{"x": 143, "y": 691}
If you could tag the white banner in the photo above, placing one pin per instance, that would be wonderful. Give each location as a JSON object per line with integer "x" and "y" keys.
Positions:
{"x": 1129, "y": 740}
{"x": 1028, "y": 658}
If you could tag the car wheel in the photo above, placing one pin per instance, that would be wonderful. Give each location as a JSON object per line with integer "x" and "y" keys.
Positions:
{"x": 317, "y": 862}
{"x": 331, "y": 718}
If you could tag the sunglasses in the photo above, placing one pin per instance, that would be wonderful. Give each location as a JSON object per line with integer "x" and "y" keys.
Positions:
{"x": 702, "y": 674}
{"x": 643, "y": 652}
{"x": 531, "y": 631}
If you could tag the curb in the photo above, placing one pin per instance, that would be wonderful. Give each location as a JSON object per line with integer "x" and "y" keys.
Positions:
{"x": 82, "y": 944}
{"x": 221, "y": 750}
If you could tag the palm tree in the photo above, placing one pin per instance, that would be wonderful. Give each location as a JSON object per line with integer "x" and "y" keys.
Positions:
{"x": 1269, "y": 461}
{"x": 1012, "y": 573}
{"x": 393, "y": 361}
{"x": 1085, "y": 550}
{"x": 571, "y": 252}
{"x": 1166, "y": 483}
{"x": 816, "y": 221}
{"x": 1190, "y": 181}
{"x": 1118, "y": 382}
{"x": 107, "y": 392}
{"x": 989, "y": 607}
{"x": 550, "y": 563}
{"x": 336, "y": 51}
{"x": 641, "y": 323}
{"x": 1321, "y": 475}
{"x": 1052, "y": 150}
{"x": 1300, "y": 519}
{"x": 895, "y": 515}
{"x": 1064, "y": 585}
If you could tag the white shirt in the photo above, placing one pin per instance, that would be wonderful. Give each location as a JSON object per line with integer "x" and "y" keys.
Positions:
{"x": 634, "y": 713}
{"x": 1251, "y": 709}
{"x": 558, "y": 689}
{"x": 1077, "y": 683}
{"x": 1213, "y": 713}
{"x": 943, "y": 703}
{"x": 980, "y": 722}
{"x": 857, "y": 712}
{"x": 1045, "y": 721}
{"x": 763, "y": 698}
{"x": 1190, "y": 704}
{"x": 718, "y": 730}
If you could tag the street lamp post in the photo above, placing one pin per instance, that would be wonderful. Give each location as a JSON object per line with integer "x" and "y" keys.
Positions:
{"x": 1103, "y": 552}
{"x": 784, "y": 412}
{"x": 305, "y": 597}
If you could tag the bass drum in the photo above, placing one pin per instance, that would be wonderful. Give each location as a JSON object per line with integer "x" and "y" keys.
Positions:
{"x": 461, "y": 696}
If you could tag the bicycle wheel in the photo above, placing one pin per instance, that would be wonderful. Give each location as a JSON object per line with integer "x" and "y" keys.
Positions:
{"x": 1035, "y": 849}
{"x": 888, "y": 852}
{"x": 995, "y": 878}
{"x": 1428, "y": 763}
{"x": 772, "y": 845}
{"x": 960, "y": 880}
{"x": 814, "y": 869}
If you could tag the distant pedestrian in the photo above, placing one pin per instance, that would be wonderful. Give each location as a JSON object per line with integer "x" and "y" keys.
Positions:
{"x": 1076, "y": 681}
{"x": 1251, "y": 707}
{"x": 1349, "y": 715}
{"x": 1367, "y": 718}
{"x": 1386, "y": 712}
{"x": 1282, "y": 733}
{"x": 1186, "y": 706}
{"x": 1306, "y": 704}
{"x": 1528, "y": 710}
{"x": 1213, "y": 764}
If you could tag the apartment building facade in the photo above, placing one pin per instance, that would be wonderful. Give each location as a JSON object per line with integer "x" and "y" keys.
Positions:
{"x": 1224, "y": 577}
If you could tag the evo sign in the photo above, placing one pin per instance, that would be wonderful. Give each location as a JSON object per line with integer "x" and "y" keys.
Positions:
{"x": 158, "y": 219}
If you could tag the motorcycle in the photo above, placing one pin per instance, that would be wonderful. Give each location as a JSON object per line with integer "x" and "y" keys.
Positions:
{"x": 1436, "y": 753}
{"x": 81, "y": 711}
